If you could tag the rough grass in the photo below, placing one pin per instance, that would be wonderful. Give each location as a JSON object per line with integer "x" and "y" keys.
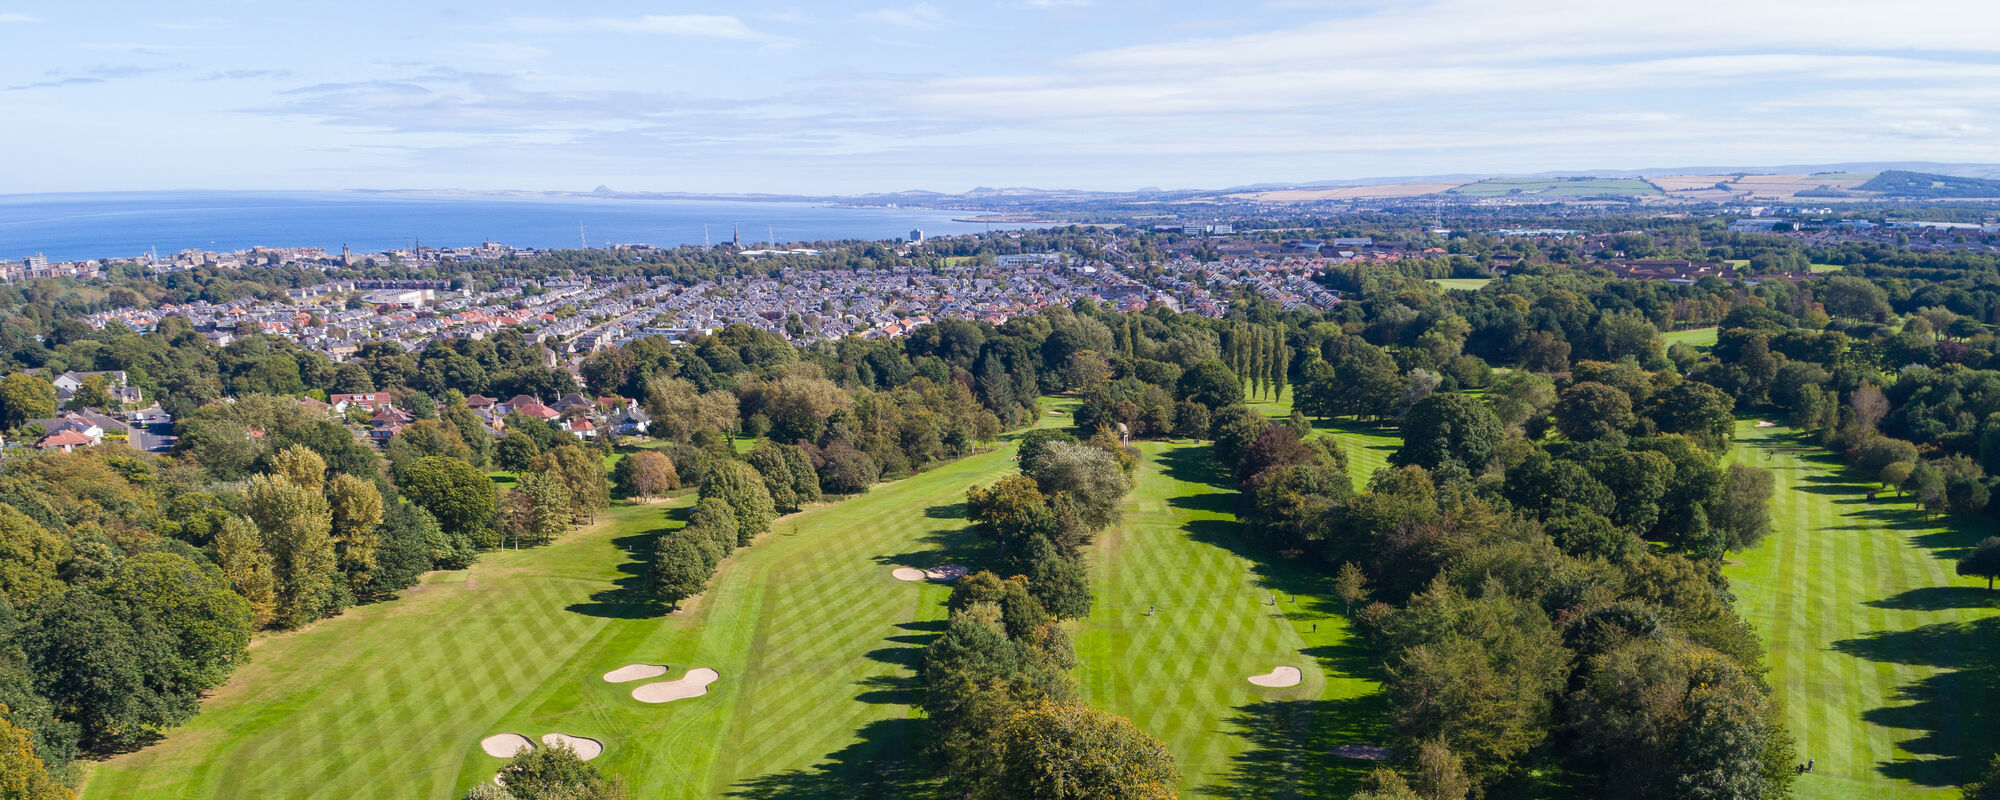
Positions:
{"x": 1885, "y": 659}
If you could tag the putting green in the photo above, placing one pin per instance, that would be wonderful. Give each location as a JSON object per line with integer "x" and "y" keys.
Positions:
{"x": 1885, "y": 659}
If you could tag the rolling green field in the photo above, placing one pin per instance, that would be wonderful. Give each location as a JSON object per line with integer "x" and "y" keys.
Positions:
{"x": 1868, "y": 630}
{"x": 1185, "y": 615}
{"x": 1553, "y": 187}
{"x": 813, "y": 639}
{"x": 816, "y": 645}
{"x": 1699, "y": 338}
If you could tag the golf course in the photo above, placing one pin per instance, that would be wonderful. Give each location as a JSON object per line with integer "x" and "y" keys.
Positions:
{"x": 814, "y": 644}
{"x": 1881, "y": 654}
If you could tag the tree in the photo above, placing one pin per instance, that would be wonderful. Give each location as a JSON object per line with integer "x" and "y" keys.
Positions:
{"x": 1869, "y": 405}
{"x": 845, "y": 470}
{"x": 1986, "y": 786}
{"x": 1070, "y": 751}
{"x": 238, "y": 550}
{"x": 92, "y": 394}
{"x": 739, "y": 485}
{"x": 296, "y": 526}
{"x": 1088, "y": 476}
{"x": 516, "y": 451}
{"x": 582, "y": 473}
{"x": 22, "y": 775}
{"x": 29, "y": 557}
{"x": 191, "y": 603}
{"x": 1589, "y": 411}
{"x": 303, "y": 467}
{"x": 1440, "y": 773}
{"x": 1519, "y": 395}
{"x": 1211, "y": 384}
{"x": 679, "y": 569}
{"x": 92, "y": 664}
{"x": 542, "y": 507}
{"x": 1983, "y": 562}
{"x": 427, "y": 437}
{"x": 554, "y": 772}
{"x": 25, "y": 396}
{"x": 713, "y": 518}
{"x": 1743, "y": 510}
{"x": 645, "y": 475}
{"x": 1449, "y": 428}
{"x": 1351, "y": 585}
{"x": 1696, "y": 410}
{"x": 455, "y": 494}
{"x": 357, "y": 510}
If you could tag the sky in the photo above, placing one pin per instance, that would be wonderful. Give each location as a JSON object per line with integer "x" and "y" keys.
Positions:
{"x": 852, "y": 97}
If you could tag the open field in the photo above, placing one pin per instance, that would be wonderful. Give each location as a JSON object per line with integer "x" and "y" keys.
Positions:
{"x": 1697, "y": 337}
{"x": 1468, "y": 284}
{"x": 1345, "y": 192}
{"x": 813, "y": 639}
{"x": 1557, "y": 187}
{"x": 1872, "y": 639}
{"x": 1184, "y": 617}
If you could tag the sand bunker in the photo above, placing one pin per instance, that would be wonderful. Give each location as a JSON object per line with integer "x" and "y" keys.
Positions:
{"x": 505, "y": 745}
{"x": 633, "y": 672}
{"x": 946, "y": 573}
{"x": 1766, "y": 424}
{"x": 1280, "y": 677}
{"x": 586, "y": 749}
{"x": 694, "y": 684}
{"x": 908, "y": 574}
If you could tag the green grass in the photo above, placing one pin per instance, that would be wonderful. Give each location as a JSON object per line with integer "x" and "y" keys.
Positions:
{"x": 1699, "y": 338}
{"x": 1182, "y": 620}
{"x": 1367, "y": 445}
{"x": 1558, "y": 188}
{"x": 814, "y": 640}
{"x": 1824, "y": 267}
{"x": 1884, "y": 658}
{"x": 1468, "y": 284}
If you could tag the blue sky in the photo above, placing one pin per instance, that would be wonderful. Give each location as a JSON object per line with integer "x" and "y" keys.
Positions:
{"x": 846, "y": 97}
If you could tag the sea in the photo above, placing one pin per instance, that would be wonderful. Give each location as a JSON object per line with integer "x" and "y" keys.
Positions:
{"x": 82, "y": 226}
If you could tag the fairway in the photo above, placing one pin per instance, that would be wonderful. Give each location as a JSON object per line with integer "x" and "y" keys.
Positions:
{"x": 1184, "y": 616}
{"x": 1868, "y": 630}
{"x": 1698, "y": 338}
{"x": 814, "y": 640}
{"x": 1468, "y": 284}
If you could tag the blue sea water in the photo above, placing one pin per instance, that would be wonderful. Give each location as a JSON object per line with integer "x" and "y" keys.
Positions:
{"x": 72, "y": 227}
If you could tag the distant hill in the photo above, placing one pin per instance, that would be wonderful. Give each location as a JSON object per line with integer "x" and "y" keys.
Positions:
{"x": 1900, "y": 183}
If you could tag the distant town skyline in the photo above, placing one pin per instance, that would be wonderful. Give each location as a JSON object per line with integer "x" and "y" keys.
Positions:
{"x": 855, "y": 97}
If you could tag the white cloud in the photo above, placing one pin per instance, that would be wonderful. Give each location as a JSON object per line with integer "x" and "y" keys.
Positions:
{"x": 6, "y": 18}
{"x": 921, "y": 15}
{"x": 701, "y": 26}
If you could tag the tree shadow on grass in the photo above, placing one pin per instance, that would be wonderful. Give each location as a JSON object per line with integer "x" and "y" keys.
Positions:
{"x": 627, "y": 598}
{"x": 879, "y": 766}
{"x": 1938, "y": 598}
{"x": 1952, "y": 712}
{"x": 1291, "y": 744}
